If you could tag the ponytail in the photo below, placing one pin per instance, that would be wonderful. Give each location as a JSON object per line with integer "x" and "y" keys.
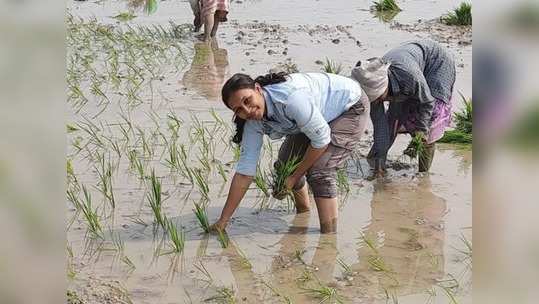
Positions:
{"x": 242, "y": 81}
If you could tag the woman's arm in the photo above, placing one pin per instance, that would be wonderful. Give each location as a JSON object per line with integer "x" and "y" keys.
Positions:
{"x": 238, "y": 187}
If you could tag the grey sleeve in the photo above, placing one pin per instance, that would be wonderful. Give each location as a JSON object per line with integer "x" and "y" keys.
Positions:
{"x": 382, "y": 132}
{"x": 426, "y": 103}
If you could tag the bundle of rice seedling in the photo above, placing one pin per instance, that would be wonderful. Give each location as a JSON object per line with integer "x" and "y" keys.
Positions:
{"x": 283, "y": 170}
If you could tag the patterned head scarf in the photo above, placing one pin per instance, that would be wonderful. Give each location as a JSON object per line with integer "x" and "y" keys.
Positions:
{"x": 372, "y": 76}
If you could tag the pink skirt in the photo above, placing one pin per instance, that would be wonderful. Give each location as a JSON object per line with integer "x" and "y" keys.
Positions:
{"x": 440, "y": 120}
{"x": 210, "y": 7}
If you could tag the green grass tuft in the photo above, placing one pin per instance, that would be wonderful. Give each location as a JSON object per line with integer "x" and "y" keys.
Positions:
{"x": 155, "y": 200}
{"x": 462, "y": 134}
{"x": 282, "y": 171}
{"x": 386, "y": 5}
{"x": 461, "y": 15}
{"x": 176, "y": 236}
{"x": 202, "y": 216}
{"x": 332, "y": 67}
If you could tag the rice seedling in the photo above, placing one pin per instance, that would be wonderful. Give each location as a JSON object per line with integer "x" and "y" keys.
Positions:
{"x": 136, "y": 163}
{"x": 204, "y": 271}
{"x": 184, "y": 167}
{"x": 306, "y": 276}
{"x": 105, "y": 180}
{"x": 464, "y": 118}
{"x": 260, "y": 182}
{"x": 222, "y": 237}
{"x": 224, "y": 295}
{"x": 221, "y": 171}
{"x": 386, "y": 16}
{"x": 173, "y": 160}
{"x": 416, "y": 147}
{"x": 205, "y": 162}
{"x": 202, "y": 216}
{"x": 324, "y": 293}
{"x": 461, "y": 15}
{"x": 285, "y": 298}
{"x": 386, "y": 5}
{"x": 200, "y": 181}
{"x": 342, "y": 181}
{"x": 456, "y": 137}
{"x": 391, "y": 295}
{"x": 282, "y": 171}
{"x": 463, "y": 129}
{"x": 127, "y": 261}
{"x": 155, "y": 200}
{"x": 244, "y": 260}
{"x": 332, "y": 67}
{"x": 125, "y": 16}
{"x": 298, "y": 255}
{"x": 176, "y": 237}
{"x": 377, "y": 263}
{"x": 370, "y": 243}
{"x": 347, "y": 269}
{"x": 71, "y": 272}
{"x": 91, "y": 215}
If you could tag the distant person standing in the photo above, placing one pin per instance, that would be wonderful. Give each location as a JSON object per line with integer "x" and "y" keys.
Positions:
{"x": 195, "y": 6}
{"x": 417, "y": 79}
{"x": 210, "y": 13}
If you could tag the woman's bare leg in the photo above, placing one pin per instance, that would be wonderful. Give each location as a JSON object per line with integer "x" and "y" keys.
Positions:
{"x": 327, "y": 213}
{"x": 208, "y": 27}
{"x": 301, "y": 198}
{"x": 216, "y": 19}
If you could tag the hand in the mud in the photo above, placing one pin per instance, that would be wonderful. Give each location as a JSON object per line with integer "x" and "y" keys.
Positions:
{"x": 218, "y": 226}
{"x": 290, "y": 182}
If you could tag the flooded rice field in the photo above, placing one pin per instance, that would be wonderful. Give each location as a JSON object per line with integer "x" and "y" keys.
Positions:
{"x": 149, "y": 141}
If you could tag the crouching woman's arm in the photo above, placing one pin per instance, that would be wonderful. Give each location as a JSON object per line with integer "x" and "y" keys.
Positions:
{"x": 238, "y": 187}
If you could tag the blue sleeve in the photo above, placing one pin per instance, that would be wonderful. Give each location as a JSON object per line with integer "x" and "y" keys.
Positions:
{"x": 302, "y": 109}
{"x": 251, "y": 145}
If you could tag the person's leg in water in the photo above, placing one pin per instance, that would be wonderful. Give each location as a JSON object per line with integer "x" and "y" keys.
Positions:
{"x": 301, "y": 199}
{"x": 346, "y": 131}
{"x": 426, "y": 156}
{"x": 217, "y": 18}
{"x": 209, "y": 21}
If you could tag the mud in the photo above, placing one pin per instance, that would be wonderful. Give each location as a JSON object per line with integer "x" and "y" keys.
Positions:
{"x": 399, "y": 238}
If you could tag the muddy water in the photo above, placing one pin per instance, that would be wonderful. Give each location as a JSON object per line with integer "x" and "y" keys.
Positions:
{"x": 415, "y": 222}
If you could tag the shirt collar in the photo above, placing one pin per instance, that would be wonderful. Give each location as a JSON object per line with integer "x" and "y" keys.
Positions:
{"x": 270, "y": 110}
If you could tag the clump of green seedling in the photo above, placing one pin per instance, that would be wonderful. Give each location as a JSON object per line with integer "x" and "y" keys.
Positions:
{"x": 155, "y": 200}
{"x": 90, "y": 214}
{"x": 463, "y": 129}
{"x": 332, "y": 67}
{"x": 202, "y": 216}
{"x": 125, "y": 16}
{"x": 386, "y": 5}
{"x": 416, "y": 147}
{"x": 461, "y": 15}
{"x": 176, "y": 236}
{"x": 283, "y": 170}
{"x": 324, "y": 293}
{"x": 347, "y": 269}
{"x": 260, "y": 181}
{"x": 223, "y": 238}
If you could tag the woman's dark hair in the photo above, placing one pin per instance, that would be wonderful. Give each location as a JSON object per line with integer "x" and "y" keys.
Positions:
{"x": 242, "y": 81}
